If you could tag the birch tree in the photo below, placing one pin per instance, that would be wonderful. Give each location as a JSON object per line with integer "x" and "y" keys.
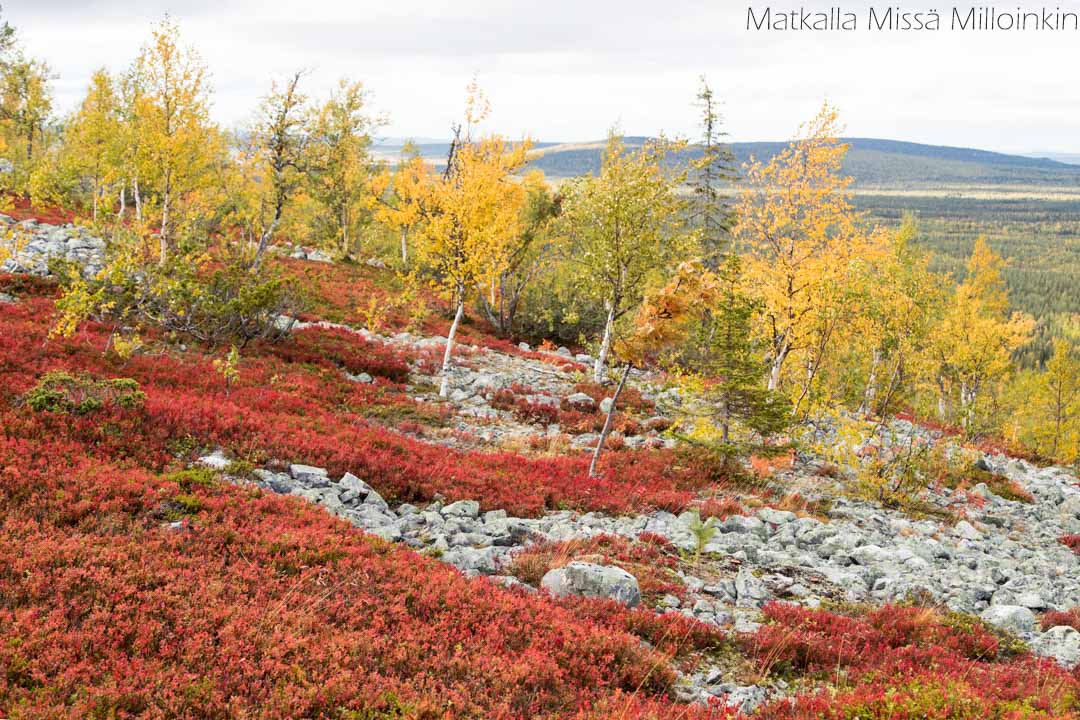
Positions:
{"x": 474, "y": 208}
{"x": 972, "y": 346}
{"x": 172, "y": 118}
{"x": 625, "y": 224}
{"x": 280, "y": 144}
{"x": 340, "y": 162}
{"x": 409, "y": 188}
{"x": 800, "y": 234}
{"x": 93, "y": 135}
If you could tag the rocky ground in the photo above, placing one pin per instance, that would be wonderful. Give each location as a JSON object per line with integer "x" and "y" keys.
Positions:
{"x": 36, "y": 243}
{"x": 1003, "y": 561}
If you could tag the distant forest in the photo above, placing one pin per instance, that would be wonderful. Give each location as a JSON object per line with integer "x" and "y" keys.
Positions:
{"x": 872, "y": 162}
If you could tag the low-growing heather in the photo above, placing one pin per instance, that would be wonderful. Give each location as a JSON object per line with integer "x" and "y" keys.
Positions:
{"x": 256, "y": 604}
{"x": 1067, "y": 618}
{"x": 337, "y": 347}
{"x": 908, "y": 663}
{"x": 131, "y": 586}
{"x": 298, "y": 412}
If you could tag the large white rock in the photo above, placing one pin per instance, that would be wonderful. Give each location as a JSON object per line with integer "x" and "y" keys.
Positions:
{"x": 314, "y": 476}
{"x": 1013, "y": 618}
{"x": 594, "y": 581}
{"x": 1061, "y": 643}
{"x": 462, "y": 508}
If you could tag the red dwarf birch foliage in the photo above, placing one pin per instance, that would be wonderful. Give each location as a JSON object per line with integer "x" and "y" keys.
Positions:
{"x": 132, "y": 588}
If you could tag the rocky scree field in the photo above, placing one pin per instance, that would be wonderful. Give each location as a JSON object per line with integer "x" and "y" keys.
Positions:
{"x": 321, "y": 536}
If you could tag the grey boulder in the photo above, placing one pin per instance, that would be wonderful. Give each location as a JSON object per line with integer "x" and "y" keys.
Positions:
{"x": 1014, "y": 618}
{"x": 593, "y": 581}
{"x": 1061, "y": 643}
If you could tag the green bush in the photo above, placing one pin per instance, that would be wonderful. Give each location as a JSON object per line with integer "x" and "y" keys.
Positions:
{"x": 213, "y": 293}
{"x": 62, "y": 392}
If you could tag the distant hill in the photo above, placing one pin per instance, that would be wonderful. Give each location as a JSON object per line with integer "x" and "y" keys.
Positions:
{"x": 1069, "y": 158}
{"x": 872, "y": 162}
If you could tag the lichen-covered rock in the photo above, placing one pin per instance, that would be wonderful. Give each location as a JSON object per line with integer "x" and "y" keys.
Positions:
{"x": 594, "y": 581}
{"x": 462, "y": 508}
{"x": 1061, "y": 643}
{"x": 1014, "y": 618}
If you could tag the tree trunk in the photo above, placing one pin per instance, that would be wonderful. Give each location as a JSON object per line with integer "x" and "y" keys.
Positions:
{"x": 942, "y": 402}
{"x": 777, "y": 364}
{"x": 344, "y": 234}
{"x": 163, "y": 235}
{"x": 725, "y": 423}
{"x": 123, "y": 201}
{"x": 138, "y": 199}
{"x": 605, "y": 345}
{"x": 264, "y": 241}
{"x": 607, "y": 421}
{"x": 444, "y": 387}
{"x": 870, "y": 391}
{"x": 404, "y": 246}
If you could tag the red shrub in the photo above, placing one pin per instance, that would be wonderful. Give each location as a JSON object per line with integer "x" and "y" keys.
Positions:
{"x": 49, "y": 214}
{"x": 721, "y": 508}
{"x": 339, "y": 348}
{"x": 288, "y": 411}
{"x": 1068, "y": 618}
{"x": 906, "y": 663}
{"x": 1071, "y": 541}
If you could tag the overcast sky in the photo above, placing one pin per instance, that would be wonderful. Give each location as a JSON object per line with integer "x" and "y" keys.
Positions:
{"x": 570, "y": 69}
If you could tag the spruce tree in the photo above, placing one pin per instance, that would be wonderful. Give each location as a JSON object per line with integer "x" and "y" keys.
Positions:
{"x": 713, "y": 215}
{"x": 721, "y": 348}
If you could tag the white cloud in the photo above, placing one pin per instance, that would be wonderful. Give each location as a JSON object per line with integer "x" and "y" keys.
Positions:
{"x": 569, "y": 69}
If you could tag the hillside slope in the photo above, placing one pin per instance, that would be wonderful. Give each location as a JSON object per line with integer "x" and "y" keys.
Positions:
{"x": 873, "y": 162}
{"x": 320, "y": 535}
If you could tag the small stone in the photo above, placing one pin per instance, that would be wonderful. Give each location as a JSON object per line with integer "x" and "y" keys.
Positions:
{"x": 580, "y": 401}
{"x": 390, "y": 533}
{"x": 749, "y": 590}
{"x": 776, "y": 517}
{"x": 374, "y": 499}
{"x": 512, "y": 583}
{"x": 1032, "y": 601}
{"x": 349, "y": 481}
{"x": 967, "y": 531}
{"x": 215, "y": 460}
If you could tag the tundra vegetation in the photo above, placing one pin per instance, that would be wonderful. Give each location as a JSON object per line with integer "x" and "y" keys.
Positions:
{"x": 841, "y": 311}
{"x": 132, "y": 585}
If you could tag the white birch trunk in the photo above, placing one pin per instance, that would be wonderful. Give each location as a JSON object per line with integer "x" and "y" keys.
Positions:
{"x": 605, "y": 346}
{"x": 444, "y": 386}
